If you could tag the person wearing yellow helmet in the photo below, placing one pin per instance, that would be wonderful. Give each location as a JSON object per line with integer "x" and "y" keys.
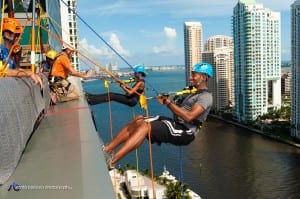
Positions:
{"x": 50, "y": 57}
{"x": 131, "y": 96}
{"x": 51, "y": 54}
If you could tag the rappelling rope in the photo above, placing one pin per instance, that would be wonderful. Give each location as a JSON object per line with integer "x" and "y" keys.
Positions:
{"x": 181, "y": 171}
{"x": 143, "y": 98}
{"x": 91, "y": 61}
{"x": 105, "y": 41}
{"x": 3, "y": 70}
{"x": 106, "y": 85}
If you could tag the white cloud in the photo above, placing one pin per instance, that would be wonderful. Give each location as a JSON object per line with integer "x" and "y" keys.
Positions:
{"x": 170, "y": 32}
{"x": 168, "y": 46}
{"x": 105, "y": 51}
{"x": 164, "y": 49}
{"x": 87, "y": 48}
{"x": 116, "y": 44}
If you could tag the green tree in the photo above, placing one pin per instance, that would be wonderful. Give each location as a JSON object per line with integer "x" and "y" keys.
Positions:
{"x": 174, "y": 191}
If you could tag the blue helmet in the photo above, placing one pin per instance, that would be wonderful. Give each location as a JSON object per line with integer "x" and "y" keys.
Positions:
{"x": 139, "y": 69}
{"x": 203, "y": 67}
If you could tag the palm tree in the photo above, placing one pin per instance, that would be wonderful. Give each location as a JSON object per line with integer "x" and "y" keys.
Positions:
{"x": 174, "y": 191}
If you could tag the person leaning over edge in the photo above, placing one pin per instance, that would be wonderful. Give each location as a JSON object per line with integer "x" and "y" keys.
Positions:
{"x": 132, "y": 95}
{"x": 60, "y": 71}
{"x": 11, "y": 50}
{"x": 181, "y": 130}
{"x": 11, "y": 31}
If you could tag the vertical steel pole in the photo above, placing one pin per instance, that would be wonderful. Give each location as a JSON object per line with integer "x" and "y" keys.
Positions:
{"x": 32, "y": 55}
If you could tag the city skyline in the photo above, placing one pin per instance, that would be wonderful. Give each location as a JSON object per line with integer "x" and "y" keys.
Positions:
{"x": 151, "y": 32}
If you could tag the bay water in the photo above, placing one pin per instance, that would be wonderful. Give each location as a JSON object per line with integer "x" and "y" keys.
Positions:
{"x": 224, "y": 161}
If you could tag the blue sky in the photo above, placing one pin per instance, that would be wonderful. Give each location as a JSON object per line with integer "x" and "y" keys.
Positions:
{"x": 150, "y": 32}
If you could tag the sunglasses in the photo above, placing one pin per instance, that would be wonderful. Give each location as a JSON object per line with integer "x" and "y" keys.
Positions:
{"x": 8, "y": 40}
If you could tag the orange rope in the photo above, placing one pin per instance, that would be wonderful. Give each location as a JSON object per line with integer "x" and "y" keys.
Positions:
{"x": 60, "y": 40}
{"x": 150, "y": 154}
{"x": 117, "y": 79}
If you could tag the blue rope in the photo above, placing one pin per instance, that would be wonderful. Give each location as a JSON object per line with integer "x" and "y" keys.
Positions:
{"x": 181, "y": 173}
{"x": 153, "y": 89}
{"x": 98, "y": 35}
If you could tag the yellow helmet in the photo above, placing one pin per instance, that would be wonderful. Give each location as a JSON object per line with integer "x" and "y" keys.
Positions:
{"x": 51, "y": 54}
{"x": 11, "y": 24}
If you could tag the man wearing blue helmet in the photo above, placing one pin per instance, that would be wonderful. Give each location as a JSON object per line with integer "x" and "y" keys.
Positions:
{"x": 132, "y": 95}
{"x": 180, "y": 130}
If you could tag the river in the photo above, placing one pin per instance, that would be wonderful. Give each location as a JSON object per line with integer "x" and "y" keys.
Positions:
{"x": 224, "y": 161}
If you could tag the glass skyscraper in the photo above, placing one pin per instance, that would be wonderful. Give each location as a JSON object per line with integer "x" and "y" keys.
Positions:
{"x": 295, "y": 61}
{"x": 69, "y": 27}
{"x": 218, "y": 52}
{"x": 257, "y": 60}
{"x": 192, "y": 46}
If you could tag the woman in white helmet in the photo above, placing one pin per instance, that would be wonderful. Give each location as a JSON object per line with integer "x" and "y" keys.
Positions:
{"x": 59, "y": 73}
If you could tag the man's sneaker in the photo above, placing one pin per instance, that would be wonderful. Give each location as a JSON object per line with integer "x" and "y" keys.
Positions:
{"x": 106, "y": 154}
{"x": 110, "y": 166}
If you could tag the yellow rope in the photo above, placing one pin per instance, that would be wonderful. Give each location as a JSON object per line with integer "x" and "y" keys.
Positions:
{"x": 3, "y": 70}
{"x": 2, "y": 15}
{"x": 106, "y": 85}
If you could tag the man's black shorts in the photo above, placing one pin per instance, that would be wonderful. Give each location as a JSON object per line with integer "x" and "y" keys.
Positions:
{"x": 164, "y": 129}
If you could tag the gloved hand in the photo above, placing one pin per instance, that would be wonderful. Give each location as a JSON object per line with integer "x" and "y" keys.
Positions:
{"x": 161, "y": 98}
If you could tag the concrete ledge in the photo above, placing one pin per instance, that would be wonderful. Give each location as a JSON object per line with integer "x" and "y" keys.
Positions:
{"x": 63, "y": 153}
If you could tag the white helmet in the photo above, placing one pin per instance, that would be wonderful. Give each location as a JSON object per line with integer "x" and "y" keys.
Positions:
{"x": 67, "y": 46}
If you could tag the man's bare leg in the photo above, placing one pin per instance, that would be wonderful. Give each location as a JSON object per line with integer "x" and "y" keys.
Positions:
{"x": 124, "y": 134}
{"x": 134, "y": 140}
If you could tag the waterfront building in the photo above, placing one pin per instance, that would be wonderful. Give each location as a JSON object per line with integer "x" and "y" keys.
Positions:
{"x": 69, "y": 27}
{"x": 192, "y": 46}
{"x": 218, "y": 51}
{"x": 257, "y": 59}
{"x": 295, "y": 59}
{"x": 141, "y": 187}
{"x": 286, "y": 81}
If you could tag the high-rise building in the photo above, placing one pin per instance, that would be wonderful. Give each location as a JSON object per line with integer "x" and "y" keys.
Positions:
{"x": 219, "y": 53}
{"x": 295, "y": 59}
{"x": 69, "y": 26}
{"x": 192, "y": 46}
{"x": 257, "y": 59}
{"x": 286, "y": 81}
